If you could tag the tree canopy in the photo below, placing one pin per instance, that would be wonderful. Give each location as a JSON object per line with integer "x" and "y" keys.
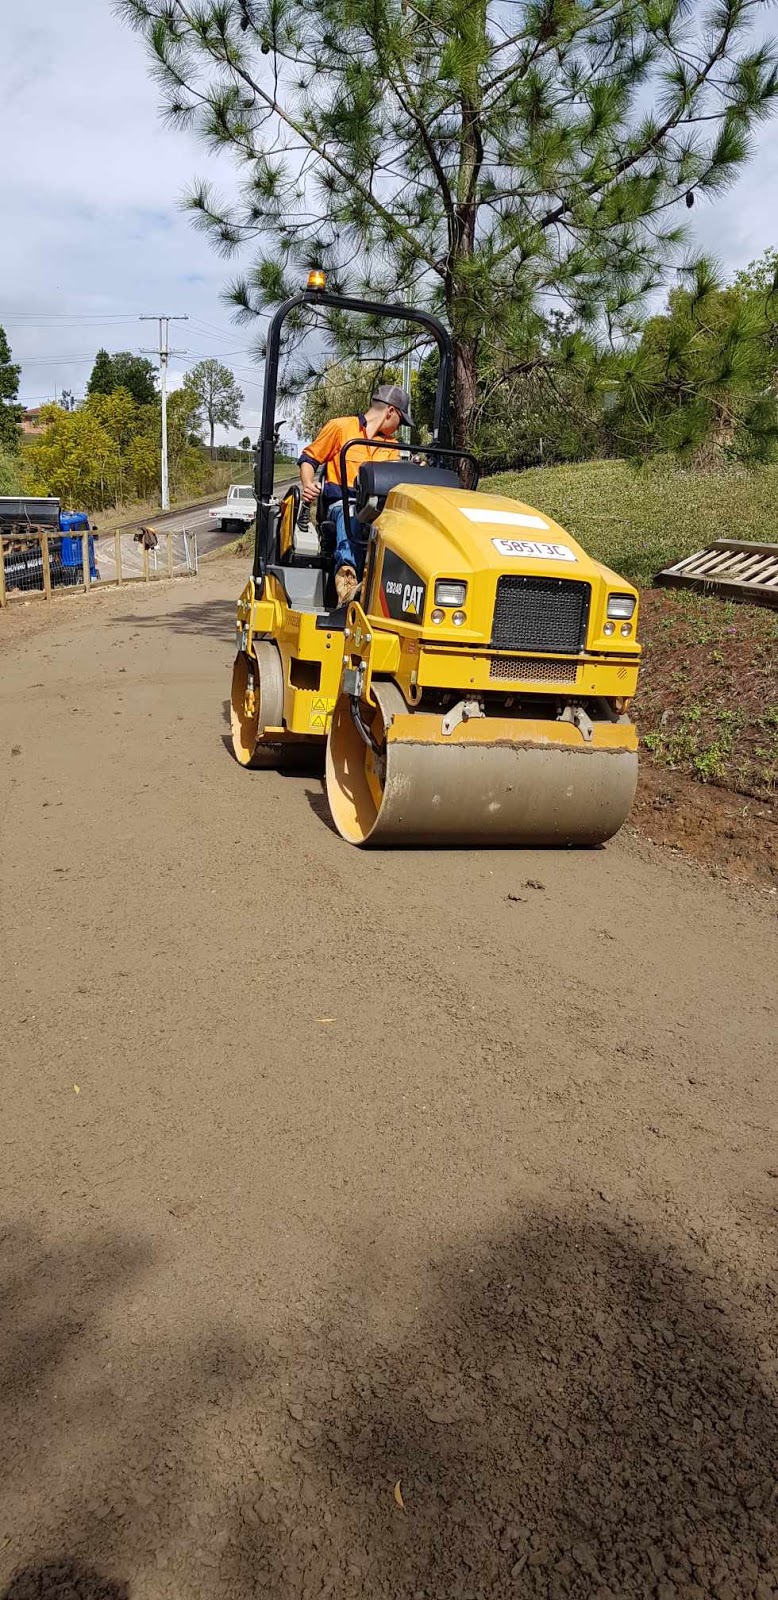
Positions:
{"x": 216, "y": 394}
{"x": 123, "y": 370}
{"x": 10, "y": 411}
{"x": 107, "y": 451}
{"x": 486, "y": 159}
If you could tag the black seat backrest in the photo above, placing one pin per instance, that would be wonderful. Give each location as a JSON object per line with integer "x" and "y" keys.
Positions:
{"x": 376, "y": 479}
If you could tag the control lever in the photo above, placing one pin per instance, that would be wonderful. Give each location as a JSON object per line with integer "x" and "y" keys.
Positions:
{"x": 304, "y": 514}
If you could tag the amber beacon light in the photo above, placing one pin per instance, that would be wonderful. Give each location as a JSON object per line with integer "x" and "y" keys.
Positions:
{"x": 316, "y": 279}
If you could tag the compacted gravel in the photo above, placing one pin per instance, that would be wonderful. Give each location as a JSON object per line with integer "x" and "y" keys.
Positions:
{"x": 372, "y": 1225}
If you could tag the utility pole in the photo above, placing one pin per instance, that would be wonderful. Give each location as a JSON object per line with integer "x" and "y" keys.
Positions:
{"x": 164, "y": 354}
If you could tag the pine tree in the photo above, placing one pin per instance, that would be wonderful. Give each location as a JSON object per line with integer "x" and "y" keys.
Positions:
{"x": 480, "y": 158}
{"x": 10, "y": 412}
{"x": 101, "y": 378}
{"x": 702, "y": 381}
{"x": 124, "y": 370}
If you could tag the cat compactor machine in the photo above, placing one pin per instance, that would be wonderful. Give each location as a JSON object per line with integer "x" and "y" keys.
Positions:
{"x": 476, "y": 689}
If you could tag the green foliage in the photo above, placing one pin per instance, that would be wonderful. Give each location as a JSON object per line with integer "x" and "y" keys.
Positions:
{"x": 101, "y": 378}
{"x": 701, "y": 382}
{"x": 213, "y": 390}
{"x": 10, "y": 471}
{"x": 123, "y": 370}
{"x": 107, "y": 452}
{"x": 343, "y": 389}
{"x": 760, "y": 277}
{"x": 10, "y": 412}
{"x": 484, "y": 161}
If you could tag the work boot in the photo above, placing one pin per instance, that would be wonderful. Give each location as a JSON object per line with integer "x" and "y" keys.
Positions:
{"x": 346, "y": 585}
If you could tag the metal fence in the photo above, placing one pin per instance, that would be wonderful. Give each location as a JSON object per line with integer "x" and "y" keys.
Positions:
{"x": 38, "y": 563}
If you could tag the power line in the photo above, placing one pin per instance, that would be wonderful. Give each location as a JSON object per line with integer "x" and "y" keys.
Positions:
{"x": 164, "y": 356}
{"x": 45, "y": 319}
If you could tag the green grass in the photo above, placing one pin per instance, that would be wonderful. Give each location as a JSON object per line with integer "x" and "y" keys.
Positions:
{"x": 638, "y": 521}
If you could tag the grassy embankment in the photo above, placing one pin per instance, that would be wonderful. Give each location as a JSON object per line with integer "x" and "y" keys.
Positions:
{"x": 220, "y": 475}
{"x": 708, "y": 698}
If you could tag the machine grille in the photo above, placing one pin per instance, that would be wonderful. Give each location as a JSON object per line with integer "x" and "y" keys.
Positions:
{"x": 512, "y": 669}
{"x": 540, "y": 614}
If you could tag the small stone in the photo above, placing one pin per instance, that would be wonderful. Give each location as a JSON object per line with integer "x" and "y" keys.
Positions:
{"x": 666, "y": 1591}
{"x": 763, "y": 1591}
{"x": 658, "y": 1563}
{"x": 518, "y": 1567}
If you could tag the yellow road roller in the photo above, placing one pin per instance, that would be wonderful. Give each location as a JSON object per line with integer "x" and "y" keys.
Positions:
{"x": 476, "y": 689}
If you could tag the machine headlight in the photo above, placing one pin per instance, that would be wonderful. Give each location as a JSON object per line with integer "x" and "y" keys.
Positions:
{"x": 436, "y": 616}
{"x": 609, "y": 628}
{"x": 458, "y": 618}
{"x": 621, "y": 606}
{"x": 449, "y": 594}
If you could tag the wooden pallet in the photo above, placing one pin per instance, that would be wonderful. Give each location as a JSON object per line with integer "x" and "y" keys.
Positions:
{"x": 730, "y": 567}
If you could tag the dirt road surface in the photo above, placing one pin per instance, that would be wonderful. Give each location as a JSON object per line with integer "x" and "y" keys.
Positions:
{"x": 394, "y": 1225}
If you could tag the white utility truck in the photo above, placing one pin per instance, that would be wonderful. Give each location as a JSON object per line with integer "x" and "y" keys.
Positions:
{"x": 238, "y": 511}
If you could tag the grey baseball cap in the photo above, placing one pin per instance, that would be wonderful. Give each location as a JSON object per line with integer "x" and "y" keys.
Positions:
{"x": 390, "y": 394}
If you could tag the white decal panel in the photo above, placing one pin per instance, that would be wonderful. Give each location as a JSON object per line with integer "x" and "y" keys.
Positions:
{"x": 535, "y": 549}
{"x": 504, "y": 519}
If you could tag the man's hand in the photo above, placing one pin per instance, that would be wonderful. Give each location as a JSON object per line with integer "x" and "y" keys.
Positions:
{"x": 346, "y": 584}
{"x": 311, "y": 491}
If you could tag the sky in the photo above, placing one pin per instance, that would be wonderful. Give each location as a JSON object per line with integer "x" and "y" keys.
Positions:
{"x": 93, "y": 234}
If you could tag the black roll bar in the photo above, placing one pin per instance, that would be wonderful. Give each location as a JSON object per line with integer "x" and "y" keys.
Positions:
{"x": 264, "y": 456}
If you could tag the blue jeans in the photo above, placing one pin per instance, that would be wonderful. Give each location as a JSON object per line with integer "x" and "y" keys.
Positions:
{"x": 348, "y": 552}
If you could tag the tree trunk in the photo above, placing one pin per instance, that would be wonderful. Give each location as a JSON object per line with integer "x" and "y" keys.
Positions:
{"x": 465, "y": 388}
{"x": 213, "y": 431}
{"x": 462, "y": 226}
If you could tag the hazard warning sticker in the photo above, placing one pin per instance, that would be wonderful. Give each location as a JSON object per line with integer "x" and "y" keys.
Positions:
{"x": 534, "y": 549}
{"x": 321, "y": 710}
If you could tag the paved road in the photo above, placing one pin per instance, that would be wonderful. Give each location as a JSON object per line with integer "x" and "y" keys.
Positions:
{"x": 209, "y": 537}
{"x": 386, "y": 1225}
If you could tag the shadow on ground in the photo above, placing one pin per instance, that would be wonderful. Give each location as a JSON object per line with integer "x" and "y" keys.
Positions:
{"x": 214, "y": 619}
{"x": 65, "y": 1580}
{"x": 576, "y": 1410}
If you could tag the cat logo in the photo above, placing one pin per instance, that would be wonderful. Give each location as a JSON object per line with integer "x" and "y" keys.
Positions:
{"x": 401, "y": 591}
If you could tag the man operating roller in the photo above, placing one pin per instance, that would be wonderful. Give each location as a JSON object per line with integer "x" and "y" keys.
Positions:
{"x": 388, "y": 409}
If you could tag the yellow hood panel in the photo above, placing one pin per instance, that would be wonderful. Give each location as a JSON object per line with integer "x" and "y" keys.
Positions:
{"x": 454, "y": 531}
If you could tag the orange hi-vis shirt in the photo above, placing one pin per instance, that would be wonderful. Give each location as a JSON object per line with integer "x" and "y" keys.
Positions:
{"x": 328, "y": 444}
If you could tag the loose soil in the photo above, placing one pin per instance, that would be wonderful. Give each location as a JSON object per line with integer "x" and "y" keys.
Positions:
{"x": 399, "y": 1225}
{"x": 707, "y": 702}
